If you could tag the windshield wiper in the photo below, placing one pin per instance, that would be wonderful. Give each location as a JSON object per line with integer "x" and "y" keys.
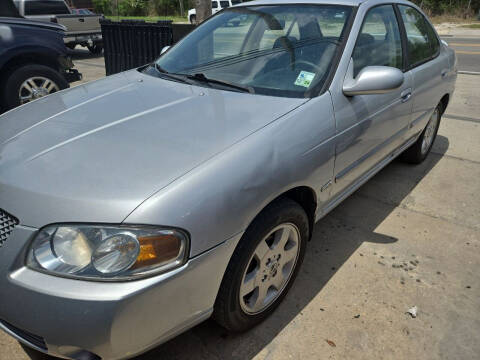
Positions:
{"x": 200, "y": 77}
{"x": 171, "y": 76}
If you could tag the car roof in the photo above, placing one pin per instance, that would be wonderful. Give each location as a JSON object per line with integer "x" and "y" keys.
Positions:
{"x": 326, "y": 2}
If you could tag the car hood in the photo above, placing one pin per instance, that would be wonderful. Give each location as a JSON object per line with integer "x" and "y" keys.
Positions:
{"x": 32, "y": 23}
{"x": 95, "y": 152}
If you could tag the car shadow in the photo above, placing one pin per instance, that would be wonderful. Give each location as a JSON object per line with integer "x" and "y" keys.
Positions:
{"x": 335, "y": 239}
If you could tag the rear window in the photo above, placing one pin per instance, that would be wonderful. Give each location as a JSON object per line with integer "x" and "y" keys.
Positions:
{"x": 46, "y": 7}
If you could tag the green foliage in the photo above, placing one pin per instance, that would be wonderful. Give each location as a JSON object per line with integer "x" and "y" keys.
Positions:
{"x": 449, "y": 7}
{"x": 103, "y": 7}
{"x": 170, "y": 7}
{"x": 459, "y": 8}
{"x": 133, "y": 7}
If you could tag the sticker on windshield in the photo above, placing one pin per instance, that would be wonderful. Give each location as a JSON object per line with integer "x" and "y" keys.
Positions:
{"x": 304, "y": 79}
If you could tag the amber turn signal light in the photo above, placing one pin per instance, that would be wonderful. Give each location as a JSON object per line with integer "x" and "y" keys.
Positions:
{"x": 158, "y": 249}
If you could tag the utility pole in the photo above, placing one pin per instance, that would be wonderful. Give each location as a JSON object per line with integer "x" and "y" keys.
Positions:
{"x": 203, "y": 9}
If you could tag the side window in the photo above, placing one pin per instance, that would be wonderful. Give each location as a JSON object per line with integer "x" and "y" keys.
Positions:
{"x": 214, "y": 4}
{"x": 379, "y": 42}
{"x": 224, "y": 4}
{"x": 423, "y": 43}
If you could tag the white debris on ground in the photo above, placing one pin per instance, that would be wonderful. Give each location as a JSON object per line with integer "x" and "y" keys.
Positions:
{"x": 413, "y": 312}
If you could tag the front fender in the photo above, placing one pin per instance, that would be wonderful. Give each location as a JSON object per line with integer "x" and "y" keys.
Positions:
{"x": 221, "y": 197}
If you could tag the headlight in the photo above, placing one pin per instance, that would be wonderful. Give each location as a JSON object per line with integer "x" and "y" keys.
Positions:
{"x": 99, "y": 252}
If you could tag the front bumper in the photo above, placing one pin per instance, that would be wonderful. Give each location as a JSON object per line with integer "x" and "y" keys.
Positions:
{"x": 77, "y": 319}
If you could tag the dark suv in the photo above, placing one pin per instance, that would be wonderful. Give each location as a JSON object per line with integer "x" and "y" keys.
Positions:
{"x": 34, "y": 60}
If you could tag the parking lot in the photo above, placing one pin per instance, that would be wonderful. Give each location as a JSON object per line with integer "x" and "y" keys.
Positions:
{"x": 409, "y": 237}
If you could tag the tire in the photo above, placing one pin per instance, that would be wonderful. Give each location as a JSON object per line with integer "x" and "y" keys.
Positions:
{"x": 71, "y": 46}
{"x": 419, "y": 151}
{"x": 236, "y": 313}
{"x": 13, "y": 84}
{"x": 95, "y": 49}
{"x": 34, "y": 354}
{"x": 193, "y": 20}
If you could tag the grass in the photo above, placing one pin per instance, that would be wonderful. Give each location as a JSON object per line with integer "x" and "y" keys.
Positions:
{"x": 175, "y": 19}
{"x": 471, "y": 26}
{"x": 438, "y": 19}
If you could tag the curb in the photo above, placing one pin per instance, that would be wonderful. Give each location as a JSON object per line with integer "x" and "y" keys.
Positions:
{"x": 469, "y": 73}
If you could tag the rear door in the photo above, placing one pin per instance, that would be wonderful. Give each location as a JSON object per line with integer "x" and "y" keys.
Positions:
{"x": 427, "y": 64}
{"x": 370, "y": 127}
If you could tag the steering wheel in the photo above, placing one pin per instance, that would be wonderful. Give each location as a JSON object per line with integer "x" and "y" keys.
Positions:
{"x": 308, "y": 63}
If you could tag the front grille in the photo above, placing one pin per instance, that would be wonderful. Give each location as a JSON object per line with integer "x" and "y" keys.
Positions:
{"x": 7, "y": 223}
{"x": 25, "y": 335}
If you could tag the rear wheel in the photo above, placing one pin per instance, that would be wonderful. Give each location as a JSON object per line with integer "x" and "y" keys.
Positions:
{"x": 31, "y": 82}
{"x": 418, "y": 152}
{"x": 263, "y": 266}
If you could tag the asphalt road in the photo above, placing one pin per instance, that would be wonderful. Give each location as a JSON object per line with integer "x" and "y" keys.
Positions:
{"x": 468, "y": 52}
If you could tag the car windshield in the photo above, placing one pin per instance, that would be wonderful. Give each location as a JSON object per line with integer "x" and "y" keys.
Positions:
{"x": 279, "y": 50}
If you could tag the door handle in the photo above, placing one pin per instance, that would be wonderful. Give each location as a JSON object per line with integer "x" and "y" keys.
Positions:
{"x": 406, "y": 95}
{"x": 81, "y": 20}
{"x": 444, "y": 73}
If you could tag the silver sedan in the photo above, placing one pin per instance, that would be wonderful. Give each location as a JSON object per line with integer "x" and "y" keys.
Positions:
{"x": 136, "y": 206}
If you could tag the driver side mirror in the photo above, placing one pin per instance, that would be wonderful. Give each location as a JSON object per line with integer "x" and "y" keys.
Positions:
{"x": 372, "y": 80}
{"x": 165, "y": 48}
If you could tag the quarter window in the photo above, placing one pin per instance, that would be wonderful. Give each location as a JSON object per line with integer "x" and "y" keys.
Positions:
{"x": 423, "y": 43}
{"x": 379, "y": 42}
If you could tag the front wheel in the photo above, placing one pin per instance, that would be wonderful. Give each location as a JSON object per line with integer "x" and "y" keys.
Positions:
{"x": 418, "y": 152}
{"x": 263, "y": 266}
{"x": 31, "y": 82}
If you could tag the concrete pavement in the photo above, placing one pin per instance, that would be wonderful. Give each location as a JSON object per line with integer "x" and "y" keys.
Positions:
{"x": 409, "y": 237}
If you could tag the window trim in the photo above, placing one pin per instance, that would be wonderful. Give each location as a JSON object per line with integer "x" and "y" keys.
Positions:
{"x": 434, "y": 56}
{"x": 404, "y": 69}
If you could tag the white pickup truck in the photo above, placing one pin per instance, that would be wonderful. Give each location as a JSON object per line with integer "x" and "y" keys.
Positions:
{"x": 217, "y": 5}
{"x": 82, "y": 29}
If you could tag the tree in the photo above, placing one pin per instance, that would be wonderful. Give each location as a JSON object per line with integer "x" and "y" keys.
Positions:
{"x": 203, "y": 9}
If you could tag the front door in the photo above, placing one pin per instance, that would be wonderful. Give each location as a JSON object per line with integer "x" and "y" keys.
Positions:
{"x": 369, "y": 127}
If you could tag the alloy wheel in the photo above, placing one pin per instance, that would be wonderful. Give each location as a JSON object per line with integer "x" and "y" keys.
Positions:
{"x": 36, "y": 87}
{"x": 430, "y": 132}
{"x": 270, "y": 268}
